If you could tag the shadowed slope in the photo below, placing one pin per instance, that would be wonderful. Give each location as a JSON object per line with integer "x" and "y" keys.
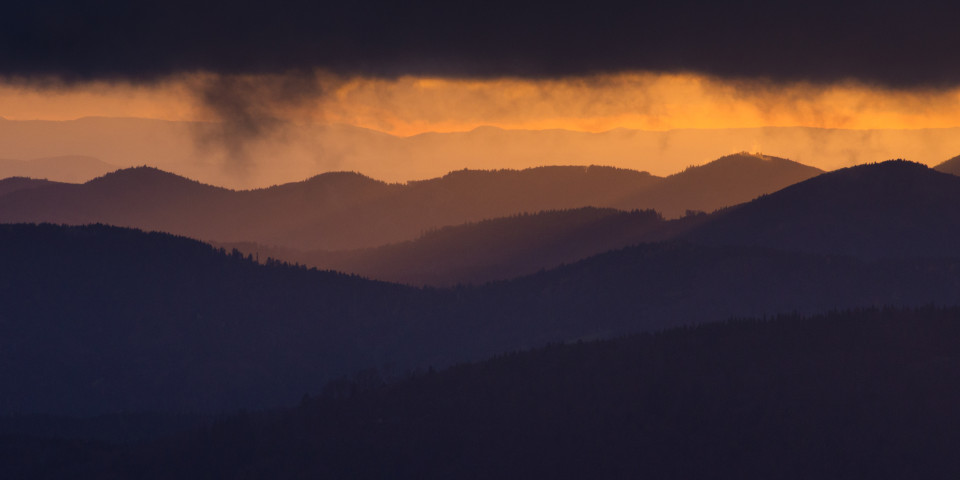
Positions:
{"x": 890, "y": 209}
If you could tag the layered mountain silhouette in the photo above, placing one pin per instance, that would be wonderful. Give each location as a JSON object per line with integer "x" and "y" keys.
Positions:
{"x": 336, "y": 211}
{"x": 891, "y": 209}
{"x": 303, "y": 150}
{"x": 68, "y": 168}
{"x": 861, "y": 394}
{"x": 102, "y": 319}
{"x": 848, "y": 369}
{"x": 951, "y": 166}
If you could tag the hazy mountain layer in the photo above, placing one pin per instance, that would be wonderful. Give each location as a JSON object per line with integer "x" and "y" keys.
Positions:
{"x": 101, "y": 319}
{"x": 337, "y": 211}
{"x": 892, "y": 209}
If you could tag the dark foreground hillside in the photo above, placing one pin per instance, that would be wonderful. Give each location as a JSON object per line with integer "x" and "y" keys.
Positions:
{"x": 100, "y": 320}
{"x": 864, "y": 394}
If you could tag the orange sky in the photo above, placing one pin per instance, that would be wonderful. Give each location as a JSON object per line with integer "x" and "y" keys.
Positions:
{"x": 873, "y": 124}
{"x": 412, "y": 105}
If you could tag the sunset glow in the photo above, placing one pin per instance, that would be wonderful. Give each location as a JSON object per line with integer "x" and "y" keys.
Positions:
{"x": 412, "y": 105}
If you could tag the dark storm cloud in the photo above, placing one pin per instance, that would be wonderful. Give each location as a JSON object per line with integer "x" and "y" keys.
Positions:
{"x": 902, "y": 44}
{"x": 249, "y": 108}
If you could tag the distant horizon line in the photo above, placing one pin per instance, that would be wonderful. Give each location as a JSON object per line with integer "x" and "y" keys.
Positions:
{"x": 408, "y": 182}
{"x": 485, "y": 126}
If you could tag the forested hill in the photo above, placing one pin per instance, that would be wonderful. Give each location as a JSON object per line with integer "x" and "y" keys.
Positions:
{"x": 889, "y": 209}
{"x": 863, "y": 394}
{"x": 102, "y": 319}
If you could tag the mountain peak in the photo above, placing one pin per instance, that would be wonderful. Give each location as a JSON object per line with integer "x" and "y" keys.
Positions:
{"x": 748, "y": 154}
{"x": 143, "y": 171}
{"x": 745, "y": 159}
{"x": 895, "y": 163}
{"x": 145, "y": 177}
{"x": 339, "y": 175}
{"x": 338, "y": 179}
{"x": 887, "y": 182}
{"x": 891, "y": 172}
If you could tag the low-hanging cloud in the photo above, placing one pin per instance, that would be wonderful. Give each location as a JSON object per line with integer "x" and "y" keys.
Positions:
{"x": 247, "y": 109}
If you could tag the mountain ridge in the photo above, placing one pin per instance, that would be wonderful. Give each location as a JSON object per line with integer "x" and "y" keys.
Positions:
{"x": 337, "y": 210}
{"x": 887, "y": 209}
